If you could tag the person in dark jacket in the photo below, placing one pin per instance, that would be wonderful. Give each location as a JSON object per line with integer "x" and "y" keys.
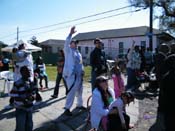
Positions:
{"x": 160, "y": 70}
{"x": 97, "y": 61}
{"x": 167, "y": 92}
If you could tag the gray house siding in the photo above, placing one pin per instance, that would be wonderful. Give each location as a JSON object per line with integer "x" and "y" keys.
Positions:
{"x": 52, "y": 46}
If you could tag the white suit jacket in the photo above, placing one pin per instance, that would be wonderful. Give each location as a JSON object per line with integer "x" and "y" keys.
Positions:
{"x": 69, "y": 58}
{"x": 97, "y": 110}
{"x": 69, "y": 65}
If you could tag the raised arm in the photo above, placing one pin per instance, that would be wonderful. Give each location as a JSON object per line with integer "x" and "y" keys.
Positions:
{"x": 131, "y": 50}
{"x": 68, "y": 39}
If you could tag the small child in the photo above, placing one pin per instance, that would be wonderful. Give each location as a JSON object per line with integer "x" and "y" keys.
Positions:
{"x": 118, "y": 81}
{"x": 40, "y": 69}
{"x": 23, "y": 93}
{"x": 122, "y": 118}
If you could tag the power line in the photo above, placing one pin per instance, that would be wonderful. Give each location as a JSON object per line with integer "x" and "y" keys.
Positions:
{"x": 84, "y": 22}
{"x": 108, "y": 17}
{"x": 7, "y": 35}
{"x": 126, "y": 20}
{"x": 69, "y": 21}
{"x": 77, "y": 19}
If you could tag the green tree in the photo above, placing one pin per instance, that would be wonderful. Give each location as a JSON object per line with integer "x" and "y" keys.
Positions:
{"x": 2, "y": 45}
{"x": 164, "y": 10}
{"x": 34, "y": 41}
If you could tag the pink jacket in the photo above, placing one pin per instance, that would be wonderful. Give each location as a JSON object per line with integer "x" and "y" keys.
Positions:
{"x": 118, "y": 85}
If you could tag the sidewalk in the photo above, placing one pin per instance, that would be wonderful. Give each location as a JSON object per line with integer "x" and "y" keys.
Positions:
{"x": 48, "y": 116}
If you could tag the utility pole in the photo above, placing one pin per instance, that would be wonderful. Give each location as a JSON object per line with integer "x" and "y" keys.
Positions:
{"x": 151, "y": 26}
{"x": 17, "y": 35}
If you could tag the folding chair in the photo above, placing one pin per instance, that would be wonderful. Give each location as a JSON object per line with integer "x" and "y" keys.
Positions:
{"x": 87, "y": 126}
{"x": 88, "y": 123}
{"x": 7, "y": 76}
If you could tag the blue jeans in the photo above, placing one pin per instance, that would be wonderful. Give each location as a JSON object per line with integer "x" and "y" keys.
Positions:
{"x": 93, "y": 79}
{"x": 24, "y": 120}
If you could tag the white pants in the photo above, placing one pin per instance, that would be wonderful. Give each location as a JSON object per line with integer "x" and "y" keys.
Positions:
{"x": 77, "y": 87}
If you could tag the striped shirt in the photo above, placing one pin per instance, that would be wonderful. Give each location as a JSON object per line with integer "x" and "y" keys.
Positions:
{"x": 23, "y": 93}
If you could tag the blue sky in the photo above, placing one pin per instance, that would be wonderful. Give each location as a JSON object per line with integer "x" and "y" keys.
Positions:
{"x": 33, "y": 14}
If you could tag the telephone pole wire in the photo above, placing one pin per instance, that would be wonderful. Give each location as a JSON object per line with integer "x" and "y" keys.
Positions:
{"x": 17, "y": 35}
{"x": 151, "y": 26}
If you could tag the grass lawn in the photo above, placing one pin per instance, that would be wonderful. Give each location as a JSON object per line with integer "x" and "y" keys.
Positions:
{"x": 52, "y": 72}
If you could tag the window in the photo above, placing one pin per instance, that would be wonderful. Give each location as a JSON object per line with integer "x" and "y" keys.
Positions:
{"x": 121, "y": 49}
{"x": 143, "y": 43}
{"x": 58, "y": 49}
{"x": 47, "y": 49}
{"x": 79, "y": 48}
{"x": 86, "y": 50}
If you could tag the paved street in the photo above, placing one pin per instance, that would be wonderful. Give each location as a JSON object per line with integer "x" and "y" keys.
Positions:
{"x": 48, "y": 115}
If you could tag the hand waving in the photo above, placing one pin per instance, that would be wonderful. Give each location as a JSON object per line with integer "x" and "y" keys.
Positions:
{"x": 72, "y": 31}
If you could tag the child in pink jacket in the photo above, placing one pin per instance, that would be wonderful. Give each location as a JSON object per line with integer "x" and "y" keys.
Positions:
{"x": 118, "y": 81}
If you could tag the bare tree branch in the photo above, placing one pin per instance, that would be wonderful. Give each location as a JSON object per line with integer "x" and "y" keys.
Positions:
{"x": 166, "y": 8}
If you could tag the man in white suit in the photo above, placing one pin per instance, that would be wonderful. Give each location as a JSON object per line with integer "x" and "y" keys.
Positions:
{"x": 73, "y": 73}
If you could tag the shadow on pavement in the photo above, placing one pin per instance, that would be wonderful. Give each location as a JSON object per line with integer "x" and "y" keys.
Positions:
{"x": 9, "y": 113}
{"x": 47, "y": 103}
{"x": 2, "y": 95}
{"x": 64, "y": 123}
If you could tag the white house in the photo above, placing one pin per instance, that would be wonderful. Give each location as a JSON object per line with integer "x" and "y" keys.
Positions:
{"x": 117, "y": 41}
{"x": 52, "y": 45}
